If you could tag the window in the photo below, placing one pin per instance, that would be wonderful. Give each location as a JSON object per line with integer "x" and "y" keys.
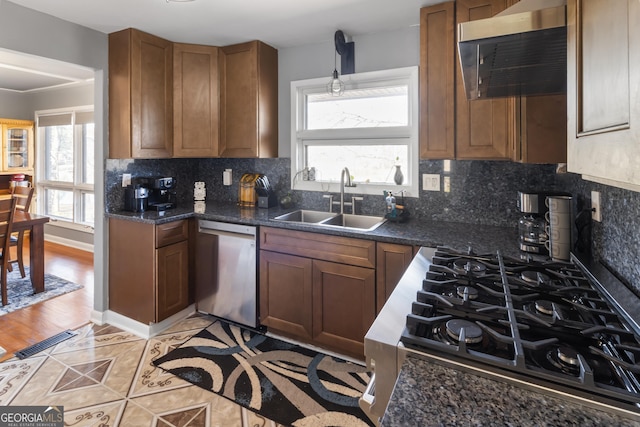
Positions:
{"x": 66, "y": 165}
{"x": 371, "y": 129}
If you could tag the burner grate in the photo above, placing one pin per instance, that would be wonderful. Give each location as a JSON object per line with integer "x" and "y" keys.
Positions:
{"x": 45, "y": 344}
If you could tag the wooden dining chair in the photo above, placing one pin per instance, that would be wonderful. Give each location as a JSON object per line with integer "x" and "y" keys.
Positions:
{"x": 7, "y": 210}
{"x": 23, "y": 196}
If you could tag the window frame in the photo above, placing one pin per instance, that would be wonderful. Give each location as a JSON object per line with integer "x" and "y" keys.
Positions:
{"x": 77, "y": 187}
{"x": 301, "y": 137}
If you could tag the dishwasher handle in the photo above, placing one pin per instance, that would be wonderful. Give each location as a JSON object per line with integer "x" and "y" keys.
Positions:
{"x": 227, "y": 234}
{"x": 225, "y": 228}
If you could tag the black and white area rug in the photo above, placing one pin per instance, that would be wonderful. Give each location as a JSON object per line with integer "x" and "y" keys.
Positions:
{"x": 20, "y": 292}
{"x": 286, "y": 383}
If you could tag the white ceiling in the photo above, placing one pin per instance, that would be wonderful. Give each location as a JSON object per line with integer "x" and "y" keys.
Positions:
{"x": 280, "y": 23}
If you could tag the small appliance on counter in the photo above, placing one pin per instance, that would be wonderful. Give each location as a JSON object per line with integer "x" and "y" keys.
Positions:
{"x": 136, "y": 198}
{"x": 532, "y": 225}
{"x": 162, "y": 194}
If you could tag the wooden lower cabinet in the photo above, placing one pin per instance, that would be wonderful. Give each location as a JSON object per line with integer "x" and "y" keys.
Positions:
{"x": 286, "y": 294}
{"x": 318, "y": 288}
{"x": 148, "y": 269}
{"x": 173, "y": 279}
{"x": 391, "y": 262}
{"x": 344, "y": 300}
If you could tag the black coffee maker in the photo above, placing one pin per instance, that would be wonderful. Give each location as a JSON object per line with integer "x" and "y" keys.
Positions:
{"x": 162, "y": 193}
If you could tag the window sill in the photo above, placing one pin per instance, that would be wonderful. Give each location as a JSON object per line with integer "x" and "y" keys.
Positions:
{"x": 71, "y": 225}
{"x": 360, "y": 188}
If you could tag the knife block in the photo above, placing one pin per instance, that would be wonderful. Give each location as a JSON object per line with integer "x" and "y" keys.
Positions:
{"x": 267, "y": 201}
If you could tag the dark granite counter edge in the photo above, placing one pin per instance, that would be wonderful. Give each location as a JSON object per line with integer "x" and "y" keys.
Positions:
{"x": 428, "y": 393}
{"x": 416, "y": 231}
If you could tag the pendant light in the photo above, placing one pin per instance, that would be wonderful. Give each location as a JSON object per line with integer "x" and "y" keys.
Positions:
{"x": 335, "y": 86}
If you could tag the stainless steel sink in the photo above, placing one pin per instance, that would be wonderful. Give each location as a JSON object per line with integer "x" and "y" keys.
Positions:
{"x": 333, "y": 220}
{"x": 358, "y": 222}
{"x": 305, "y": 216}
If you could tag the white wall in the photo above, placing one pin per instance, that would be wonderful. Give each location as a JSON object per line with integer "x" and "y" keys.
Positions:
{"x": 373, "y": 52}
{"x": 25, "y": 30}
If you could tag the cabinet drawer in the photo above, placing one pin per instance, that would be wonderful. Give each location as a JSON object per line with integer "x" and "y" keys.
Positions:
{"x": 344, "y": 250}
{"x": 171, "y": 232}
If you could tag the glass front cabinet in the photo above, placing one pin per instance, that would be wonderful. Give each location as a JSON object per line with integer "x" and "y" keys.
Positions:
{"x": 17, "y": 145}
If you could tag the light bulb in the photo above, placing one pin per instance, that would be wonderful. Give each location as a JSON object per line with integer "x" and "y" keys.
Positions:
{"x": 335, "y": 86}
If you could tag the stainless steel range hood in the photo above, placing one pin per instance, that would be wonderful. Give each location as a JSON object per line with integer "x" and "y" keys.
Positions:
{"x": 521, "y": 51}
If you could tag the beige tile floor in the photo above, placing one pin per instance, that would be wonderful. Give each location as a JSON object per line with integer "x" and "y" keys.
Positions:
{"x": 104, "y": 377}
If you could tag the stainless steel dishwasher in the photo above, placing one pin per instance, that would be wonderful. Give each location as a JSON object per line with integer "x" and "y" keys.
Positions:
{"x": 226, "y": 271}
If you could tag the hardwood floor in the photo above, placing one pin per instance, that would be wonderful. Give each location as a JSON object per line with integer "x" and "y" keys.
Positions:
{"x": 32, "y": 324}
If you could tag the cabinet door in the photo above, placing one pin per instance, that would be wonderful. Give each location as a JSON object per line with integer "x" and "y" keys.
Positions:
{"x": 483, "y": 128}
{"x": 151, "y": 96}
{"x": 437, "y": 81}
{"x": 17, "y": 148}
{"x": 140, "y": 95}
{"x": 249, "y": 101}
{"x": 173, "y": 279}
{"x": 285, "y": 294}
{"x": 542, "y": 131}
{"x": 343, "y": 305}
{"x": 196, "y": 101}
{"x": 603, "y": 100}
{"x": 391, "y": 261}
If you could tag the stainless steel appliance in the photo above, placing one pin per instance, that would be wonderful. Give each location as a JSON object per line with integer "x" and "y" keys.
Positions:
{"x": 226, "y": 271}
{"x": 532, "y": 225}
{"x": 520, "y": 51}
{"x": 136, "y": 198}
{"x": 547, "y": 326}
{"x": 162, "y": 193}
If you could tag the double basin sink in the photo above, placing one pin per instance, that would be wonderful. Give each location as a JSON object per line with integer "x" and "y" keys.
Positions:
{"x": 362, "y": 223}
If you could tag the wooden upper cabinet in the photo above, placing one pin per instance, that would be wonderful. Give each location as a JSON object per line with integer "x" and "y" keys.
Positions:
{"x": 437, "y": 71}
{"x": 196, "y": 101}
{"x": 541, "y": 135}
{"x": 140, "y": 95}
{"x": 483, "y": 128}
{"x": 249, "y": 100}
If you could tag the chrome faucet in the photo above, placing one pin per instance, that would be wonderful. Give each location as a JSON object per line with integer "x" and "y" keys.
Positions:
{"x": 342, "y": 185}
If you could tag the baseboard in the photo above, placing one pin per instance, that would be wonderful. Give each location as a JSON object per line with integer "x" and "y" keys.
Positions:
{"x": 68, "y": 242}
{"x": 138, "y": 328}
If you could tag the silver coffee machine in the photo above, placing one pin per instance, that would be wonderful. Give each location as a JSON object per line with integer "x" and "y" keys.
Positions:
{"x": 532, "y": 225}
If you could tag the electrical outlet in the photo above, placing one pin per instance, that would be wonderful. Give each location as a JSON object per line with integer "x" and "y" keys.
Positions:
{"x": 596, "y": 211}
{"x": 126, "y": 179}
{"x": 447, "y": 184}
{"x": 430, "y": 182}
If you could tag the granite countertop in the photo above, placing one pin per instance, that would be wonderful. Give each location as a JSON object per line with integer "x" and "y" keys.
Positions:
{"x": 481, "y": 238}
{"x": 430, "y": 394}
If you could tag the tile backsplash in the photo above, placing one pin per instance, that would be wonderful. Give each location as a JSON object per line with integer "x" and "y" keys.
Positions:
{"x": 481, "y": 192}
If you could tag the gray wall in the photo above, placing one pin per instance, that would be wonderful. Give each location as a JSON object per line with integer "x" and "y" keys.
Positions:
{"x": 15, "y": 106}
{"x": 62, "y": 97}
{"x": 35, "y": 33}
{"x": 373, "y": 52}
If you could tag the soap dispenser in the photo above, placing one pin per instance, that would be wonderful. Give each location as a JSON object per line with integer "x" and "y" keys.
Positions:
{"x": 391, "y": 204}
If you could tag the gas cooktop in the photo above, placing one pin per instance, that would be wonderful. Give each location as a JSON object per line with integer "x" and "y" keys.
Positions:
{"x": 546, "y": 322}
